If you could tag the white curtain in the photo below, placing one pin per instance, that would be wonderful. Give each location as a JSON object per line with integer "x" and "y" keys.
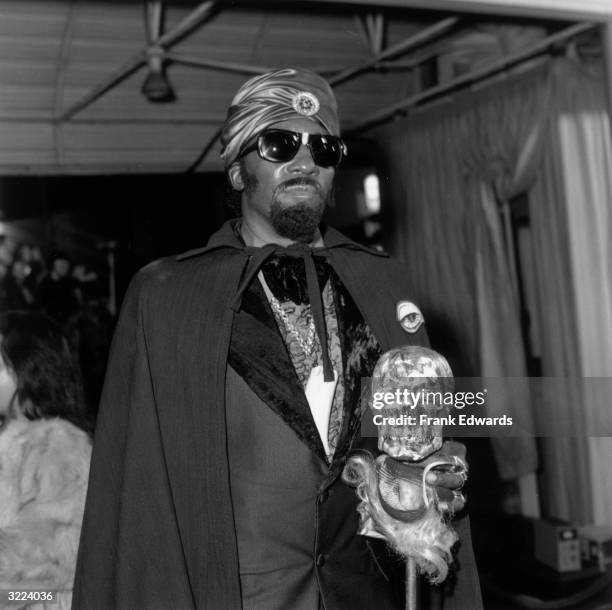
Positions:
{"x": 501, "y": 347}
{"x": 571, "y": 211}
{"x": 566, "y": 474}
{"x": 450, "y": 169}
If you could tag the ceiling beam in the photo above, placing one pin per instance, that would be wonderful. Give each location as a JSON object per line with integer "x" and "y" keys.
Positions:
{"x": 118, "y": 76}
{"x": 154, "y": 14}
{"x": 401, "y": 47}
{"x": 374, "y": 24}
{"x": 181, "y": 29}
{"x": 362, "y": 30}
{"x": 186, "y": 25}
{"x": 214, "y": 64}
{"x": 471, "y": 78}
{"x": 60, "y": 77}
{"x": 577, "y": 10}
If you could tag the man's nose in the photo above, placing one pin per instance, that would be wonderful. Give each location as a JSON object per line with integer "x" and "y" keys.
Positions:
{"x": 303, "y": 162}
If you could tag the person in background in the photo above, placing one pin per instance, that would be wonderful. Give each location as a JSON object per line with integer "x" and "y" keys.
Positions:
{"x": 56, "y": 295}
{"x": 86, "y": 284}
{"x": 8, "y": 248}
{"x": 37, "y": 262}
{"x": 90, "y": 330}
{"x": 31, "y": 256}
{"x": 17, "y": 291}
{"x": 45, "y": 449}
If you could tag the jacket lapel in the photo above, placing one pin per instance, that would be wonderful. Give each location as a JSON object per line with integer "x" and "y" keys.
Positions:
{"x": 360, "y": 351}
{"x": 260, "y": 357}
{"x": 258, "y": 354}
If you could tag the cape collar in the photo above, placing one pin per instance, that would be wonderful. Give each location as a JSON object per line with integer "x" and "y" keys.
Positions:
{"x": 226, "y": 237}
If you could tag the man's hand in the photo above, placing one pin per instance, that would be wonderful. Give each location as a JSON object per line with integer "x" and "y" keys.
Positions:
{"x": 448, "y": 478}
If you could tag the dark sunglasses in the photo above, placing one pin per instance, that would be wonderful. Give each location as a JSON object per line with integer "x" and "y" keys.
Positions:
{"x": 280, "y": 146}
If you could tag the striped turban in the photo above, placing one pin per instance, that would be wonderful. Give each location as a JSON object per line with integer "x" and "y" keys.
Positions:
{"x": 273, "y": 97}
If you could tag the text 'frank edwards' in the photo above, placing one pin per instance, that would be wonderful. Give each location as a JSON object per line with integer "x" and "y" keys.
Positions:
{"x": 447, "y": 420}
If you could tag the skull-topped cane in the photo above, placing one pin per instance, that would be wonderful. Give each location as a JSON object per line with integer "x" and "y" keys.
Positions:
{"x": 397, "y": 504}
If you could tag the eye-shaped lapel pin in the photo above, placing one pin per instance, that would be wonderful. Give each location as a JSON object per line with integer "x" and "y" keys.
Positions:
{"x": 409, "y": 316}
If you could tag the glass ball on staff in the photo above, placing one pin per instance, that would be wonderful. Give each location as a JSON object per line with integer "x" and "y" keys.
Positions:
{"x": 409, "y": 387}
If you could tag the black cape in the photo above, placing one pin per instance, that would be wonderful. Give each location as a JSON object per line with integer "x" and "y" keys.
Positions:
{"x": 158, "y": 528}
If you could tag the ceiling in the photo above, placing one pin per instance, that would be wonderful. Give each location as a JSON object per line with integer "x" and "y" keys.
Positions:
{"x": 71, "y": 71}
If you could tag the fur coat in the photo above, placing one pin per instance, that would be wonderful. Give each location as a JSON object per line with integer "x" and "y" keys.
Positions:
{"x": 44, "y": 467}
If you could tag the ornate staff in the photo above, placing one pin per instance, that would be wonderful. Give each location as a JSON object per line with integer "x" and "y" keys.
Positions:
{"x": 397, "y": 505}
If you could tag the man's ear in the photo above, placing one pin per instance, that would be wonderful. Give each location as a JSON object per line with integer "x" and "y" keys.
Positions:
{"x": 235, "y": 176}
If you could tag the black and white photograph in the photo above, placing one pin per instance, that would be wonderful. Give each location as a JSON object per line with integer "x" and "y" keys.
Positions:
{"x": 305, "y": 305}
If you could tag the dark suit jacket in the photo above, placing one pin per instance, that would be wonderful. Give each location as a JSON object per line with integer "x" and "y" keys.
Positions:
{"x": 158, "y": 529}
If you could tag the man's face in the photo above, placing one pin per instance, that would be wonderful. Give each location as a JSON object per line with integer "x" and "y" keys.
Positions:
{"x": 286, "y": 199}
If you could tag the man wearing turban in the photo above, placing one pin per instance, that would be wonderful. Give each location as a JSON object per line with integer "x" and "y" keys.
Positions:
{"x": 233, "y": 391}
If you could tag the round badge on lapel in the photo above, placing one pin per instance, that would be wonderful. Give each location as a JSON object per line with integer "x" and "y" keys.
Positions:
{"x": 409, "y": 316}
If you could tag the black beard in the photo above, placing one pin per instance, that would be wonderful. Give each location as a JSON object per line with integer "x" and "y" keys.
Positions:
{"x": 298, "y": 222}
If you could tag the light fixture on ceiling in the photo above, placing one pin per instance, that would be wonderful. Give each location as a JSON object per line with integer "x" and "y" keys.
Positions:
{"x": 156, "y": 86}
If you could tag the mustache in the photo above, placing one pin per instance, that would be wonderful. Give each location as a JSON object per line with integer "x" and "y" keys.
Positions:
{"x": 303, "y": 181}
